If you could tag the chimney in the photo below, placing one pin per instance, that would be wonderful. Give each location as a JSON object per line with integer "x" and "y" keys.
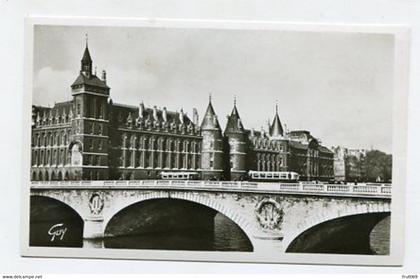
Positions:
{"x": 164, "y": 115}
{"x": 181, "y": 116}
{"x": 104, "y": 76}
{"x": 155, "y": 116}
{"x": 141, "y": 110}
{"x": 195, "y": 117}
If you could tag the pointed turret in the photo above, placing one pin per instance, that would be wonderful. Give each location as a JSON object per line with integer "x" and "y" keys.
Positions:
{"x": 210, "y": 121}
{"x": 86, "y": 62}
{"x": 212, "y": 146}
{"x": 88, "y": 81}
{"x": 276, "y": 129}
{"x": 234, "y": 123}
{"x": 235, "y": 135}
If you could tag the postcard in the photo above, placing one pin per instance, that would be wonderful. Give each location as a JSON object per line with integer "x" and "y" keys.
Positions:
{"x": 223, "y": 141}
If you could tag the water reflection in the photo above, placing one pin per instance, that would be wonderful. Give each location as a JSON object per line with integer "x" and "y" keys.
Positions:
{"x": 226, "y": 236}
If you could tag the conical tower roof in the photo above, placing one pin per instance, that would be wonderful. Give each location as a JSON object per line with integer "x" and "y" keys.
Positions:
{"x": 86, "y": 77}
{"x": 276, "y": 129}
{"x": 234, "y": 123}
{"x": 86, "y": 56}
{"x": 210, "y": 121}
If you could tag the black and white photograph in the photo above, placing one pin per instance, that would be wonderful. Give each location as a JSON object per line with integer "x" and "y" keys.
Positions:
{"x": 205, "y": 142}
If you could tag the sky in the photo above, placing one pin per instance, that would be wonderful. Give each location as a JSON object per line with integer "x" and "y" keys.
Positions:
{"x": 339, "y": 86}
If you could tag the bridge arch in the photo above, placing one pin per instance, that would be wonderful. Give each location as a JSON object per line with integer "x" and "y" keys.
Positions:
{"x": 230, "y": 213}
{"x": 329, "y": 216}
{"x": 61, "y": 199}
{"x": 50, "y": 216}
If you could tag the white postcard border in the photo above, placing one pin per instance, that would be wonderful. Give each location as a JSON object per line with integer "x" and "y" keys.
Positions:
{"x": 399, "y": 135}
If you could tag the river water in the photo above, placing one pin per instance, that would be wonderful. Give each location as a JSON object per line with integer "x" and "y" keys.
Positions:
{"x": 226, "y": 236}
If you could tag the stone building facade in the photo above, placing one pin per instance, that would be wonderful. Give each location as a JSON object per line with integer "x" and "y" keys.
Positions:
{"x": 349, "y": 164}
{"x": 89, "y": 137}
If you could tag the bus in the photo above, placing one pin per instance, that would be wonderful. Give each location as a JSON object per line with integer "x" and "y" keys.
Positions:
{"x": 286, "y": 176}
{"x": 179, "y": 175}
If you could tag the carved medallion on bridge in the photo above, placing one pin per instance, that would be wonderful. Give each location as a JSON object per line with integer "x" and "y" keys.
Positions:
{"x": 269, "y": 214}
{"x": 96, "y": 203}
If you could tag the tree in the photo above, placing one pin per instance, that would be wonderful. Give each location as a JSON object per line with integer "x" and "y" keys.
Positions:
{"x": 378, "y": 166}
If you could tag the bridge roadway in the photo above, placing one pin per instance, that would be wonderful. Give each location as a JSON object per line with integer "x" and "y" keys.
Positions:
{"x": 303, "y": 188}
{"x": 272, "y": 215}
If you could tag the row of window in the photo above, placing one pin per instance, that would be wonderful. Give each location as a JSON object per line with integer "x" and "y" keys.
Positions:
{"x": 91, "y": 143}
{"x": 145, "y": 159}
{"x": 93, "y": 108}
{"x": 58, "y": 137}
{"x": 95, "y": 160}
{"x": 165, "y": 126}
{"x": 272, "y": 165}
{"x": 152, "y": 143}
{"x": 269, "y": 144}
{"x": 50, "y": 157}
{"x": 47, "y": 176}
{"x": 94, "y": 128}
{"x": 53, "y": 120}
{"x": 58, "y": 175}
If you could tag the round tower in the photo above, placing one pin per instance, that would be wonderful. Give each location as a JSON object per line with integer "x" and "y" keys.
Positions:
{"x": 212, "y": 146}
{"x": 235, "y": 136}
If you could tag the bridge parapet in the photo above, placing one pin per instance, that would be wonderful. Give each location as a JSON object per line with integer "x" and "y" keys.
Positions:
{"x": 359, "y": 190}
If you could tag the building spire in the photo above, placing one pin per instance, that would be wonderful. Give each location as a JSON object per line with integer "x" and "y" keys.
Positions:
{"x": 276, "y": 129}
{"x": 87, "y": 40}
{"x": 234, "y": 123}
{"x": 86, "y": 62}
{"x": 210, "y": 118}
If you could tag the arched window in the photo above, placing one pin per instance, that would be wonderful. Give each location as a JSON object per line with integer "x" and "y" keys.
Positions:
{"x": 34, "y": 176}
{"x": 124, "y": 140}
{"x": 160, "y": 143}
{"x": 76, "y": 155}
{"x": 133, "y": 141}
{"x": 152, "y": 143}
{"x": 100, "y": 114}
{"x": 34, "y": 158}
{"x": 186, "y": 146}
{"x": 78, "y": 109}
{"x": 168, "y": 144}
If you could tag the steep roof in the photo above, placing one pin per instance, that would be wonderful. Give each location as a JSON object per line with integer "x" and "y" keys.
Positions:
{"x": 171, "y": 116}
{"x": 298, "y": 145}
{"x": 93, "y": 80}
{"x": 324, "y": 149}
{"x": 58, "y": 108}
{"x": 234, "y": 123}
{"x": 276, "y": 129}
{"x": 86, "y": 56}
{"x": 210, "y": 119}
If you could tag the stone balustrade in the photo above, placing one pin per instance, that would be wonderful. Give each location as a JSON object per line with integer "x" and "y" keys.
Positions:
{"x": 306, "y": 188}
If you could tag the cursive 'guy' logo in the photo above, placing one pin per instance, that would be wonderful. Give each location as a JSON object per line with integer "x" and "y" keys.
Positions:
{"x": 58, "y": 230}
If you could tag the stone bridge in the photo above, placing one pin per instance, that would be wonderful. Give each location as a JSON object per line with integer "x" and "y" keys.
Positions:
{"x": 275, "y": 217}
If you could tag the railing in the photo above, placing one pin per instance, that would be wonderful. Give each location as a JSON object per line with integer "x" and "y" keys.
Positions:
{"x": 371, "y": 190}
